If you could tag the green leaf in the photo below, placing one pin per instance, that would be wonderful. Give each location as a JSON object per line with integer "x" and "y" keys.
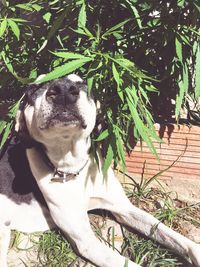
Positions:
{"x": 181, "y": 3}
{"x": 3, "y": 27}
{"x": 108, "y": 159}
{"x": 60, "y": 40}
{"x": 95, "y": 67}
{"x": 137, "y": 16}
{"x": 179, "y": 53}
{"x": 4, "y": 2}
{"x": 90, "y": 81}
{"x": 184, "y": 38}
{"x": 53, "y": 2}
{"x": 88, "y": 33}
{"x": 19, "y": 20}
{"x": 7, "y": 131}
{"x": 25, "y": 7}
{"x": 13, "y": 109}
{"x": 143, "y": 93}
{"x": 6, "y": 126}
{"x": 120, "y": 147}
{"x": 47, "y": 17}
{"x": 126, "y": 263}
{"x": 197, "y": 73}
{"x": 80, "y": 31}
{"x": 130, "y": 67}
{"x": 68, "y": 55}
{"x": 135, "y": 13}
{"x": 57, "y": 23}
{"x": 8, "y": 63}
{"x": 197, "y": 6}
{"x": 36, "y": 7}
{"x": 125, "y": 63}
{"x": 139, "y": 124}
{"x": 29, "y": 6}
{"x": 116, "y": 75}
{"x": 42, "y": 46}
{"x": 82, "y": 16}
{"x": 11, "y": 70}
{"x": 151, "y": 88}
{"x": 114, "y": 28}
{"x": 192, "y": 30}
{"x": 2, "y": 126}
{"x": 154, "y": 22}
{"x": 103, "y": 135}
{"x": 64, "y": 69}
{"x": 33, "y": 74}
{"x": 183, "y": 89}
{"x": 14, "y": 27}
{"x": 118, "y": 80}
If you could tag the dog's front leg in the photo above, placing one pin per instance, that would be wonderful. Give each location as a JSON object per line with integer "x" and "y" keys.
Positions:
{"x": 4, "y": 244}
{"x": 68, "y": 204}
{"x": 75, "y": 225}
{"x": 146, "y": 224}
{"x": 115, "y": 200}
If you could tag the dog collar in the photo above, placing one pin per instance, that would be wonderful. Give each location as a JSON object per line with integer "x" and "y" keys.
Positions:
{"x": 58, "y": 175}
{"x": 62, "y": 177}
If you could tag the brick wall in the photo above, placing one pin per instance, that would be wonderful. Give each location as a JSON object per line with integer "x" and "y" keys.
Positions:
{"x": 181, "y": 146}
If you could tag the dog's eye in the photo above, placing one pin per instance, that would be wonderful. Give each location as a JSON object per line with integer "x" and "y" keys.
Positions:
{"x": 74, "y": 90}
{"x": 82, "y": 86}
{"x": 53, "y": 91}
{"x": 81, "y": 83}
{"x": 31, "y": 93}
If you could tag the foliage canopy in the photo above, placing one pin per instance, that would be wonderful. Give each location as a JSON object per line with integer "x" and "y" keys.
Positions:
{"x": 133, "y": 54}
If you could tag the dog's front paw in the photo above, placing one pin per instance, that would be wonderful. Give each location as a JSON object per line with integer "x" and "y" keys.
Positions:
{"x": 3, "y": 263}
{"x": 194, "y": 254}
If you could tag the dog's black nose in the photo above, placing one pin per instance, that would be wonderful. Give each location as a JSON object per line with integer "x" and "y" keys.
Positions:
{"x": 63, "y": 93}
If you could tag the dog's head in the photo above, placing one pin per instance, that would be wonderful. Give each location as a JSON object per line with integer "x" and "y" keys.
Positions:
{"x": 61, "y": 108}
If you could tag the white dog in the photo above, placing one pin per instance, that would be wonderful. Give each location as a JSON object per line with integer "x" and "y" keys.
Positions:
{"x": 54, "y": 124}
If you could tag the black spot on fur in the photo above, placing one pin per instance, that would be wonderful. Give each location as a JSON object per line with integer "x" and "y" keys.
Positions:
{"x": 16, "y": 179}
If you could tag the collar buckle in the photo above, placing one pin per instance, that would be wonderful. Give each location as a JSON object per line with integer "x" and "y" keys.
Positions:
{"x": 58, "y": 176}
{"x": 62, "y": 177}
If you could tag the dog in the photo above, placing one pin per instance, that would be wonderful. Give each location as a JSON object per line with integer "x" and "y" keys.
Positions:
{"x": 49, "y": 177}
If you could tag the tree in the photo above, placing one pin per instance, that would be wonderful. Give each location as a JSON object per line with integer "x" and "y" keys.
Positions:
{"x": 130, "y": 52}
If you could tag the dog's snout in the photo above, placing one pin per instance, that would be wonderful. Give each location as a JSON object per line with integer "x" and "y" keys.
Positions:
{"x": 63, "y": 93}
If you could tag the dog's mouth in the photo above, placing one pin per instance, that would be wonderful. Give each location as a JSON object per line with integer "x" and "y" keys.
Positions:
{"x": 64, "y": 120}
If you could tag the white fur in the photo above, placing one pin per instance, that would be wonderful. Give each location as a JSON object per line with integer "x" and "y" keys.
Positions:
{"x": 69, "y": 202}
{"x": 27, "y": 218}
{"x": 74, "y": 78}
{"x": 15, "y": 215}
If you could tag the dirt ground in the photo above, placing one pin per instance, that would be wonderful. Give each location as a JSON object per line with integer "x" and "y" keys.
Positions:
{"x": 26, "y": 256}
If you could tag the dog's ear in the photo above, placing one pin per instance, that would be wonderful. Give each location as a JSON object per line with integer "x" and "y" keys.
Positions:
{"x": 22, "y": 130}
{"x": 20, "y": 122}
